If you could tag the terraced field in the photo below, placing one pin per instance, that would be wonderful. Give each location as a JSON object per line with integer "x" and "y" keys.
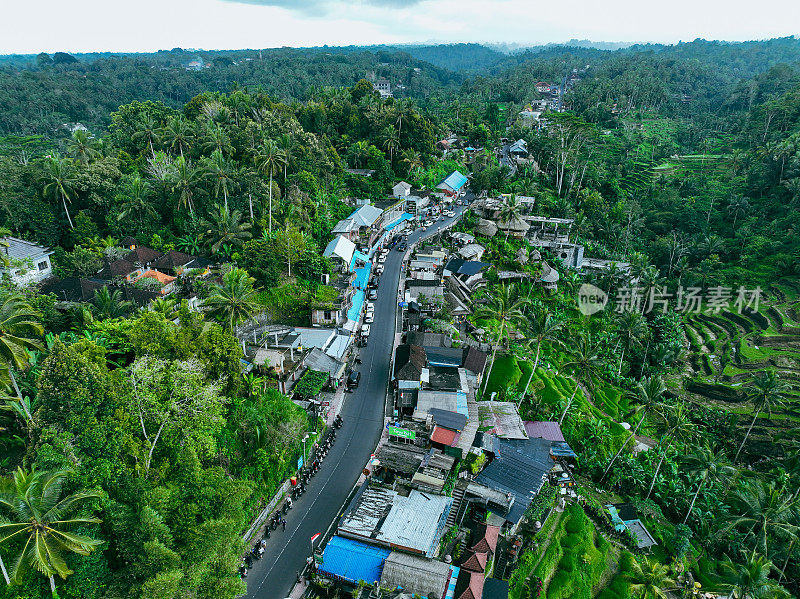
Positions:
{"x": 726, "y": 349}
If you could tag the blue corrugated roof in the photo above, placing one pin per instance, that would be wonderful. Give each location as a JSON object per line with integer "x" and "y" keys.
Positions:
{"x": 352, "y": 561}
{"x": 455, "y": 181}
{"x": 405, "y": 216}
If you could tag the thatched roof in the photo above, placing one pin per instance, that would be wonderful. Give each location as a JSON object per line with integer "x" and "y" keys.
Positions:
{"x": 417, "y": 575}
{"x": 522, "y": 256}
{"x": 486, "y": 227}
{"x": 514, "y": 225}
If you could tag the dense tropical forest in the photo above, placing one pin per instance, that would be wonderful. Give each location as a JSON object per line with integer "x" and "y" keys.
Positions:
{"x": 131, "y": 435}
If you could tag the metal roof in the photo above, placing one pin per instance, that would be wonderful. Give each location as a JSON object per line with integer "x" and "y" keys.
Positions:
{"x": 341, "y": 247}
{"x": 454, "y": 181}
{"x": 444, "y": 356}
{"x": 346, "y": 559}
{"x": 544, "y": 430}
{"x": 366, "y": 215}
{"x": 447, "y": 419}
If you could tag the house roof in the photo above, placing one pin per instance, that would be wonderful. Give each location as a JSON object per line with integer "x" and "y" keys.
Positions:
{"x": 502, "y": 418}
{"x": 444, "y": 356}
{"x": 443, "y": 378}
{"x": 158, "y": 276}
{"x": 173, "y": 259}
{"x": 474, "y": 360}
{"x": 488, "y": 542}
{"x": 343, "y": 226}
{"x": 409, "y": 360}
{"x": 346, "y": 559}
{"x": 549, "y": 274}
{"x": 471, "y": 250}
{"x": 520, "y": 467}
{"x": 128, "y": 241}
{"x": 454, "y": 181}
{"x": 429, "y": 339}
{"x": 451, "y": 401}
{"x": 544, "y": 430}
{"x": 476, "y": 562}
{"x": 19, "y": 249}
{"x": 117, "y": 268}
{"x": 366, "y": 215}
{"x": 407, "y": 398}
{"x": 405, "y": 459}
{"x": 486, "y": 227}
{"x": 402, "y": 185}
{"x": 142, "y": 255}
{"x": 470, "y": 585}
{"x": 340, "y": 247}
{"x": 416, "y": 575}
{"x": 322, "y": 362}
{"x": 444, "y": 436}
{"x": 494, "y": 588}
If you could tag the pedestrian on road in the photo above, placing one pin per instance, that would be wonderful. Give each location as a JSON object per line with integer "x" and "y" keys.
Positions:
{"x": 284, "y": 524}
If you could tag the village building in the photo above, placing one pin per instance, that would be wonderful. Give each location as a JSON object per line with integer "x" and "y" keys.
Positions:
{"x": 29, "y": 262}
{"x": 401, "y": 190}
{"x": 453, "y": 184}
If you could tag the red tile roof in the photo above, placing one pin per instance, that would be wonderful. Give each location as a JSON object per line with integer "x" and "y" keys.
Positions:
{"x": 444, "y": 436}
{"x": 488, "y": 543}
{"x": 474, "y": 589}
{"x": 475, "y": 563}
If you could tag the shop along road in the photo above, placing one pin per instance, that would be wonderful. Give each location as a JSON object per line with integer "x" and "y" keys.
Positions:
{"x": 275, "y": 574}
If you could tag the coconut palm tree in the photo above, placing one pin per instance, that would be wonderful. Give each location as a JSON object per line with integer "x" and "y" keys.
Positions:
{"x": 585, "y": 363}
{"x": 109, "y": 304}
{"x": 269, "y": 160}
{"x": 679, "y": 429}
{"x": 137, "y": 205}
{"x": 709, "y": 467}
{"x": 19, "y": 332}
{"x": 750, "y": 579}
{"x": 224, "y": 227}
{"x": 216, "y": 138}
{"x": 736, "y": 207}
{"x": 506, "y": 306}
{"x": 542, "y": 327}
{"x": 649, "y": 579}
{"x": 391, "y": 141}
{"x": 631, "y": 328}
{"x": 148, "y": 130}
{"x": 648, "y": 393}
{"x": 60, "y": 177}
{"x": 220, "y": 171}
{"x": 177, "y": 135}
{"x": 234, "y": 300}
{"x": 359, "y": 152}
{"x": 286, "y": 144}
{"x": 765, "y": 511}
{"x": 510, "y": 211}
{"x": 38, "y": 523}
{"x": 184, "y": 179}
{"x": 766, "y": 392}
{"x": 413, "y": 160}
{"x": 83, "y": 147}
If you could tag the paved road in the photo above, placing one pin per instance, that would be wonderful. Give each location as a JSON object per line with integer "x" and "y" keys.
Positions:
{"x": 273, "y": 576}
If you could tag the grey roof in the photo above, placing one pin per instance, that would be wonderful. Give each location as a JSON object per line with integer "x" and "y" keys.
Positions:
{"x": 444, "y": 378}
{"x": 520, "y": 468}
{"x": 444, "y": 356}
{"x": 319, "y": 360}
{"x": 494, "y": 588}
{"x": 340, "y": 247}
{"x": 429, "y": 339}
{"x": 416, "y": 575}
{"x": 405, "y": 458}
{"x": 366, "y": 215}
{"x": 447, "y": 419}
{"x": 343, "y": 226}
{"x": 414, "y": 523}
{"x": 19, "y": 249}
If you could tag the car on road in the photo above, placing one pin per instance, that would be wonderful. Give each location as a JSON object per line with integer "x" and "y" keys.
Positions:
{"x": 370, "y": 307}
{"x": 402, "y": 247}
{"x": 369, "y": 317}
{"x": 427, "y": 224}
{"x": 373, "y": 294}
{"x": 449, "y": 213}
{"x": 379, "y": 269}
{"x": 365, "y": 330}
{"x": 353, "y": 379}
{"x": 381, "y": 258}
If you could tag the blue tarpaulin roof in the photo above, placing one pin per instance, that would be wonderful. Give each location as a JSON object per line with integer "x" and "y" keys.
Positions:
{"x": 349, "y": 560}
{"x": 455, "y": 181}
{"x": 405, "y": 216}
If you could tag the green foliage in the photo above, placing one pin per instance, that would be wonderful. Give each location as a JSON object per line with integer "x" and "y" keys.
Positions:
{"x": 311, "y": 383}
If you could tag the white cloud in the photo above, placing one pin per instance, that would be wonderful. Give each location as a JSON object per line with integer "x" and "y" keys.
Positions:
{"x": 96, "y": 25}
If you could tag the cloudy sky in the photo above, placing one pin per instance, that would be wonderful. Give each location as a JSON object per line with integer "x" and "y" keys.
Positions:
{"x": 30, "y": 26}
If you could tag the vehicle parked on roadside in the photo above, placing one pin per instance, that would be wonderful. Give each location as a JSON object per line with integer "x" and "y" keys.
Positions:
{"x": 353, "y": 379}
{"x": 373, "y": 294}
{"x": 365, "y": 330}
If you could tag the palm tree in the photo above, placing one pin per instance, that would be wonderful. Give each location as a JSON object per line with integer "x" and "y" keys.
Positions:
{"x": 18, "y": 332}
{"x": 584, "y": 363}
{"x": 738, "y": 205}
{"x": 542, "y": 327}
{"x": 233, "y": 300}
{"x": 147, "y": 129}
{"x": 504, "y": 305}
{"x": 391, "y": 141}
{"x": 286, "y": 145}
{"x": 649, "y": 579}
{"x": 359, "y": 152}
{"x": 648, "y": 393}
{"x": 765, "y": 511}
{"x": 631, "y": 327}
{"x": 184, "y": 179}
{"x": 510, "y": 211}
{"x": 109, "y": 304}
{"x": 413, "y": 159}
{"x": 219, "y": 170}
{"x": 679, "y": 428}
{"x": 33, "y": 512}
{"x": 750, "y": 579}
{"x": 60, "y": 179}
{"x": 269, "y": 160}
{"x": 709, "y": 467}
{"x": 177, "y": 135}
{"x": 217, "y": 139}
{"x": 225, "y": 227}
{"x": 767, "y": 392}
{"x": 83, "y": 146}
{"x": 137, "y": 204}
